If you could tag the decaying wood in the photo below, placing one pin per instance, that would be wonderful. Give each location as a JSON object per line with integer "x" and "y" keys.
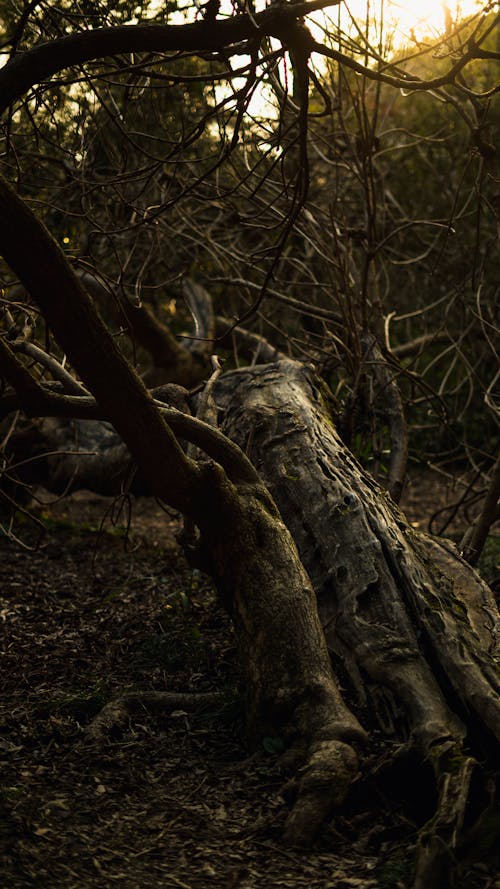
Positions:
{"x": 290, "y": 684}
{"x": 401, "y": 613}
{"x": 408, "y": 626}
{"x": 65, "y": 455}
{"x": 375, "y": 578}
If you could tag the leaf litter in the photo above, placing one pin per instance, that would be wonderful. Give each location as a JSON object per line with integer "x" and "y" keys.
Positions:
{"x": 175, "y": 800}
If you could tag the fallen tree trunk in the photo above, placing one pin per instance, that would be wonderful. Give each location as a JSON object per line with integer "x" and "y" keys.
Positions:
{"x": 385, "y": 592}
{"x": 380, "y": 585}
{"x": 409, "y": 626}
{"x": 66, "y": 455}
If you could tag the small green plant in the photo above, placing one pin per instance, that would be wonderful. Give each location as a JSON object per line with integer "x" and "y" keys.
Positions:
{"x": 55, "y": 524}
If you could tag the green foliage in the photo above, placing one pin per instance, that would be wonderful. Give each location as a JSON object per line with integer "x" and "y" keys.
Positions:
{"x": 273, "y": 746}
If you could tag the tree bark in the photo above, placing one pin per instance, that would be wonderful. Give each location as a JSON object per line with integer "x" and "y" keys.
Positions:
{"x": 410, "y": 627}
{"x": 290, "y": 689}
{"x": 407, "y": 624}
{"x": 386, "y": 593}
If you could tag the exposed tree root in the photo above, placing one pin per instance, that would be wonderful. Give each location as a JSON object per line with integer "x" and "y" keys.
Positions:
{"x": 439, "y": 838}
{"x": 115, "y": 715}
{"x": 319, "y": 787}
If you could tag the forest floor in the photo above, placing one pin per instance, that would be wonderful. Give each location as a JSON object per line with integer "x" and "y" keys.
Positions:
{"x": 174, "y": 801}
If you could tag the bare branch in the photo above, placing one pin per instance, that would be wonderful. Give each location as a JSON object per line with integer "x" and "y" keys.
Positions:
{"x": 52, "y": 364}
{"x": 70, "y": 313}
{"x": 396, "y": 417}
{"x": 407, "y": 82}
{"x": 42, "y": 62}
{"x": 260, "y": 349}
{"x": 46, "y": 403}
{"x": 475, "y": 538}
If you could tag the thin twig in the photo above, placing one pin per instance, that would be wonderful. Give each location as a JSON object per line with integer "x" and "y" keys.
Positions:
{"x": 475, "y": 538}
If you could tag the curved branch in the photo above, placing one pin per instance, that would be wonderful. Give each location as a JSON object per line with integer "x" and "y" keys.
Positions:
{"x": 260, "y": 350}
{"x": 50, "y": 363}
{"x": 236, "y": 464}
{"x": 27, "y": 389}
{"x": 43, "y": 402}
{"x": 38, "y": 64}
{"x": 42, "y": 62}
{"x": 406, "y": 83}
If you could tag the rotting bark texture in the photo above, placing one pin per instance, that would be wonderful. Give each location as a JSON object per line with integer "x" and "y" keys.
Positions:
{"x": 378, "y": 583}
{"x": 407, "y": 622}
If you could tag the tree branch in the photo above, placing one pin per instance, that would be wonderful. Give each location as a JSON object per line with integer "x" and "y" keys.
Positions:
{"x": 72, "y": 316}
{"x": 475, "y": 538}
{"x": 396, "y": 417}
{"x": 407, "y": 82}
{"x": 42, "y": 402}
{"x": 52, "y": 364}
{"x": 42, "y": 62}
{"x": 260, "y": 350}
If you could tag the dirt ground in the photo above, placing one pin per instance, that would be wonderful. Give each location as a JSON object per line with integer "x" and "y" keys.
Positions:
{"x": 172, "y": 801}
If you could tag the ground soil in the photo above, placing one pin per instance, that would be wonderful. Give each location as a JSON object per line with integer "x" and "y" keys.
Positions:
{"x": 88, "y": 612}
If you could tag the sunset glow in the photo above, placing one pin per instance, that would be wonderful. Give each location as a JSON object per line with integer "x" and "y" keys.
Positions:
{"x": 414, "y": 20}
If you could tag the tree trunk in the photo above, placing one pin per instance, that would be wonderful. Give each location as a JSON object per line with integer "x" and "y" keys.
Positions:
{"x": 252, "y": 555}
{"x": 410, "y": 627}
{"x": 385, "y": 592}
{"x": 290, "y": 689}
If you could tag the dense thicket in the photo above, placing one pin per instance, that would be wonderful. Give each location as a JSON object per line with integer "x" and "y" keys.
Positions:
{"x": 218, "y": 163}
